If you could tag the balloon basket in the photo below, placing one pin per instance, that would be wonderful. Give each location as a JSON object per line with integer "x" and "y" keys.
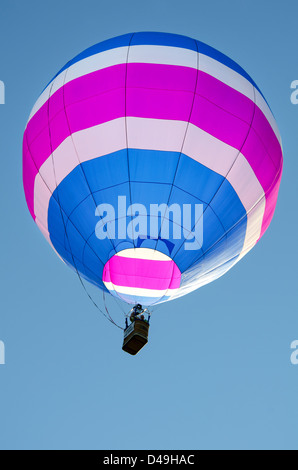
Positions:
{"x": 135, "y": 337}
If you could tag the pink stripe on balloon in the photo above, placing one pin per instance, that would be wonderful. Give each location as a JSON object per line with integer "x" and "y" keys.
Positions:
{"x": 169, "y": 97}
{"x": 140, "y": 273}
{"x": 271, "y": 201}
{"x": 29, "y": 174}
{"x": 225, "y": 97}
{"x": 101, "y": 81}
{"x": 96, "y": 110}
{"x": 268, "y": 137}
{"x": 259, "y": 160}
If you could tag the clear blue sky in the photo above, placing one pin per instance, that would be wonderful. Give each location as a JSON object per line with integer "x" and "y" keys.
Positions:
{"x": 216, "y": 373}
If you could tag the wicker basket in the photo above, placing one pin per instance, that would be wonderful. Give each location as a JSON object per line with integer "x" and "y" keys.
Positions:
{"x": 135, "y": 337}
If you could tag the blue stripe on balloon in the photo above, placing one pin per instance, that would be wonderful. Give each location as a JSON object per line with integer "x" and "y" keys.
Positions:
{"x": 151, "y": 177}
{"x": 159, "y": 39}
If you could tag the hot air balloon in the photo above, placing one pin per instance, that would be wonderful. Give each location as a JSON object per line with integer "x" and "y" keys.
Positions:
{"x": 151, "y": 164}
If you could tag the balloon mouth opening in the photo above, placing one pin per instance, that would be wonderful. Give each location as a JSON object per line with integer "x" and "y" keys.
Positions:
{"x": 141, "y": 276}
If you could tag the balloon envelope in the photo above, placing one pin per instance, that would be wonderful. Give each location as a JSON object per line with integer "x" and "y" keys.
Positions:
{"x": 151, "y": 164}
